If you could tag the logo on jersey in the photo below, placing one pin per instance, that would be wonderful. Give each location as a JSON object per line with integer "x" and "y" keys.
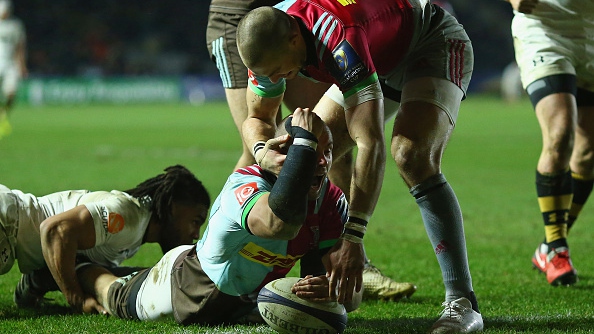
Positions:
{"x": 347, "y": 67}
{"x": 346, "y": 2}
{"x": 245, "y": 191}
{"x": 115, "y": 223}
{"x": 261, "y": 255}
{"x": 341, "y": 60}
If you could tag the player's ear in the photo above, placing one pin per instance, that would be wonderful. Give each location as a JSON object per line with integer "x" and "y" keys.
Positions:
{"x": 294, "y": 34}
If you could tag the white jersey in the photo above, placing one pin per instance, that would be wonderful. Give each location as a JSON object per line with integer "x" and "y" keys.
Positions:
{"x": 120, "y": 224}
{"x": 12, "y": 33}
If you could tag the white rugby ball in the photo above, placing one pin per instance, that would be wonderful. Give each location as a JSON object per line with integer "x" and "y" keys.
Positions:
{"x": 286, "y": 313}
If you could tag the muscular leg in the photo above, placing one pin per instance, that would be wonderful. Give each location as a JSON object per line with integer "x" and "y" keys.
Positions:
{"x": 238, "y": 108}
{"x": 557, "y": 116}
{"x": 307, "y": 94}
{"x": 342, "y": 166}
{"x": 304, "y": 93}
{"x": 582, "y": 162}
{"x": 420, "y": 135}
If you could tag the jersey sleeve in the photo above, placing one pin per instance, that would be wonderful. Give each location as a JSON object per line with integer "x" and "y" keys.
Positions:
{"x": 353, "y": 69}
{"x": 241, "y": 194}
{"x": 119, "y": 229}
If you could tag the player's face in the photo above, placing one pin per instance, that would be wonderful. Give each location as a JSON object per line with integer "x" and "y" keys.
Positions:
{"x": 184, "y": 227}
{"x": 279, "y": 66}
{"x": 324, "y": 151}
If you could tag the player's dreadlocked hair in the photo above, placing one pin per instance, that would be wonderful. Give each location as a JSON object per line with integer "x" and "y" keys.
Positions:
{"x": 178, "y": 185}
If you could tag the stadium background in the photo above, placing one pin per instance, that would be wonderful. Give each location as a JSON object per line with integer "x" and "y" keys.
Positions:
{"x": 153, "y": 50}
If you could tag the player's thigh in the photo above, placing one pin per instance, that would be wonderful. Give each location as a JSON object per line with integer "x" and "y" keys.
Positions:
{"x": 428, "y": 112}
{"x": 331, "y": 112}
{"x": 303, "y": 93}
{"x": 236, "y": 99}
{"x": 154, "y": 296}
{"x": 10, "y": 81}
{"x": 222, "y": 46}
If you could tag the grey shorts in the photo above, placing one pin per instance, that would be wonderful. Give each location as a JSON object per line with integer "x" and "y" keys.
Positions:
{"x": 440, "y": 48}
{"x": 220, "y": 40}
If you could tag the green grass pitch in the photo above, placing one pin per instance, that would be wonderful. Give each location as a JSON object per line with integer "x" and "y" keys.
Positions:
{"x": 490, "y": 163}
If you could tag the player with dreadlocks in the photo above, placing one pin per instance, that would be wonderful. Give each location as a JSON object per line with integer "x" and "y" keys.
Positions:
{"x": 49, "y": 235}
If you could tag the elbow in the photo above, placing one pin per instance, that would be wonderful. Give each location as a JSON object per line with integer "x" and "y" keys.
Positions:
{"x": 283, "y": 231}
{"x": 50, "y": 231}
{"x": 47, "y": 228}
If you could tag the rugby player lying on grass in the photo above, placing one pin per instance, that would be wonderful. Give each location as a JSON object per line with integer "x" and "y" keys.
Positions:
{"x": 260, "y": 225}
{"x": 47, "y": 234}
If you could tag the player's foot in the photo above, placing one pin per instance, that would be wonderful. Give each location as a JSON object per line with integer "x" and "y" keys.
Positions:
{"x": 26, "y": 295}
{"x": 559, "y": 268}
{"x": 458, "y": 317}
{"x": 378, "y": 286}
{"x": 539, "y": 258}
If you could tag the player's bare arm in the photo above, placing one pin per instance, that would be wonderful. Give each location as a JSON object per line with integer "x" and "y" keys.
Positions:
{"x": 346, "y": 261}
{"x": 265, "y": 224}
{"x": 264, "y": 220}
{"x": 365, "y": 124}
{"x": 61, "y": 236}
{"x": 260, "y": 126}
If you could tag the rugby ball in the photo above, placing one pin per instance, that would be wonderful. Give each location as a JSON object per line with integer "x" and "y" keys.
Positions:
{"x": 286, "y": 313}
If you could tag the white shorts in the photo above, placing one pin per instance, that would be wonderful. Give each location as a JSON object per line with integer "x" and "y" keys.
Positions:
{"x": 9, "y": 78}
{"x": 543, "y": 50}
{"x": 153, "y": 301}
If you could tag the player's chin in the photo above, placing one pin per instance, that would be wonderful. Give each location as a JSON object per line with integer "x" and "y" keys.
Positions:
{"x": 316, "y": 186}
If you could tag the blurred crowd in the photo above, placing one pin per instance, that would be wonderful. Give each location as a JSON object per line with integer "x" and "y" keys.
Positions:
{"x": 114, "y": 37}
{"x": 153, "y": 37}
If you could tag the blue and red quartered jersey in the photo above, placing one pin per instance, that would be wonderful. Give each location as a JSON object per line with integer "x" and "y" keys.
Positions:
{"x": 240, "y": 263}
{"x": 349, "y": 42}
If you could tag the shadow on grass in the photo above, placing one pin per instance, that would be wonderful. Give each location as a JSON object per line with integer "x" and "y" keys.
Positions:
{"x": 393, "y": 326}
{"x": 584, "y": 283}
{"x": 541, "y": 324}
{"x": 14, "y": 313}
{"x": 506, "y": 325}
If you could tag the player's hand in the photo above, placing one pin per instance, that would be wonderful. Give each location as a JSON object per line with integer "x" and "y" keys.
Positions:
{"x": 303, "y": 118}
{"x": 344, "y": 266}
{"x": 313, "y": 288}
{"x": 91, "y": 305}
{"x": 271, "y": 158}
{"x": 523, "y": 6}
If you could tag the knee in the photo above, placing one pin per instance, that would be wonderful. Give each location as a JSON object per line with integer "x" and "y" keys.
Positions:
{"x": 414, "y": 162}
{"x": 561, "y": 142}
